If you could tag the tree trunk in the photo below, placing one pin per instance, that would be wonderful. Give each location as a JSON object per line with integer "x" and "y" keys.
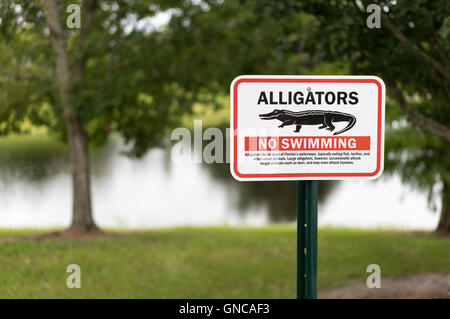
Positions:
{"x": 444, "y": 220}
{"x": 82, "y": 219}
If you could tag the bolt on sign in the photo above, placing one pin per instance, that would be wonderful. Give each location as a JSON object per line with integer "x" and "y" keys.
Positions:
{"x": 307, "y": 127}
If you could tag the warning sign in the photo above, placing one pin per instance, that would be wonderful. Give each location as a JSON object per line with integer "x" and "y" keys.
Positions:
{"x": 307, "y": 127}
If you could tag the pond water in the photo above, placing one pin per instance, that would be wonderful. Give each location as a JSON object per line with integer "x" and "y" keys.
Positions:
{"x": 155, "y": 192}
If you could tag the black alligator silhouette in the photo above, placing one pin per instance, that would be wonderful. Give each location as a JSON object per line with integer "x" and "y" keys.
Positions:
{"x": 311, "y": 117}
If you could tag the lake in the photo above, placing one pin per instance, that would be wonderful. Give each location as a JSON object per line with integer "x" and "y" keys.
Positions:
{"x": 154, "y": 192}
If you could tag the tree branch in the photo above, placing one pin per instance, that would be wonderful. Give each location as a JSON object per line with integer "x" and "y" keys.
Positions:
{"x": 63, "y": 71}
{"x": 25, "y": 102}
{"x": 417, "y": 118}
{"x": 440, "y": 48}
{"x": 53, "y": 15}
{"x": 23, "y": 76}
{"x": 400, "y": 36}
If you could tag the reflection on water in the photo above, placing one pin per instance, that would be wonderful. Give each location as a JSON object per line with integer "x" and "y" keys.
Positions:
{"x": 37, "y": 159}
{"x": 30, "y": 159}
{"x": 278, "y": 198}
{"x": 154, "y": 192}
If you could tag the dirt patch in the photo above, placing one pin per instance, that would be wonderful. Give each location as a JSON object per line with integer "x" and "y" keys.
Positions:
{"x": 64, "y": 235}
{"x": 421, "y": 286}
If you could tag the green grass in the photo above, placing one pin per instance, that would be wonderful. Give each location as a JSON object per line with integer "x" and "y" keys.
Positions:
{"x": 207, "y": 262}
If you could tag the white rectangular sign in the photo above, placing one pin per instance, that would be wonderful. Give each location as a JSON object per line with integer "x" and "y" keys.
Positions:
{"x": 306, "y": 127}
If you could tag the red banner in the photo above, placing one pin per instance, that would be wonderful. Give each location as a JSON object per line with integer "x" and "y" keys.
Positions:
{"x": 307, "y": 143}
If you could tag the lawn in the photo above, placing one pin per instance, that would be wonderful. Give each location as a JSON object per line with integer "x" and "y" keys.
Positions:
{"x": 207, "y": 262}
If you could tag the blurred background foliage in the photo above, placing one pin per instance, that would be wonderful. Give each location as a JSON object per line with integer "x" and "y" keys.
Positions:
{"x": 141, "y": 81}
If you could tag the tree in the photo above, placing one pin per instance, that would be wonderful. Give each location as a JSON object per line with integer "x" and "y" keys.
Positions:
{"x": 86, "y": 83}
{"x": 411, "y": 53}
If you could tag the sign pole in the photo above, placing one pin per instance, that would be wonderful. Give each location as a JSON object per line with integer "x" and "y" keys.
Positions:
{"x": 306, "y": 239}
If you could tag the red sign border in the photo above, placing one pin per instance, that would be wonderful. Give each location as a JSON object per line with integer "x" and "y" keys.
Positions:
{"x": 310, "y": 80}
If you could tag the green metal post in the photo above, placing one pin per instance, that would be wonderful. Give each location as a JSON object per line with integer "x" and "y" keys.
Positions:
{"x": 306, "y": 239}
